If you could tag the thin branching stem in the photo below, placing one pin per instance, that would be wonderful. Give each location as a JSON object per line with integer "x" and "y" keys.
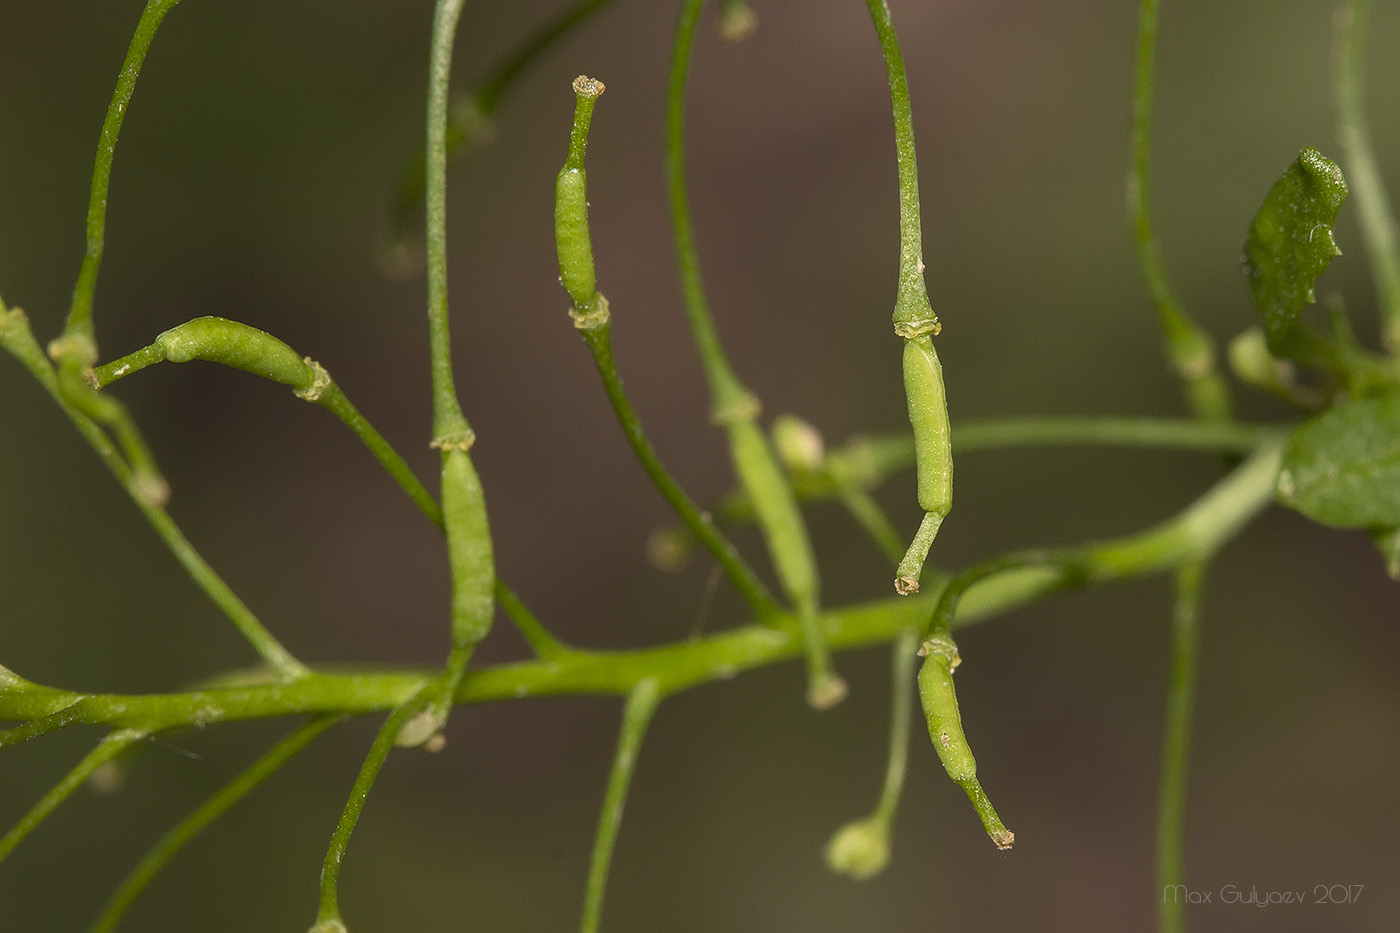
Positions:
{"x": 19, "y": 340}
{"x": 448, "y": 420}
{"x": 471, "y": 112}
{"x": 1363, "y": 175}
{"x": 1176, "y": 746}
{"x": 80, "y": 315}
{"x": 636, "y": 716}
{"x": 1190, "y": 536}
{"x": 735, "y": 408}
{"x": 726, "y": 391}
{"x": 111, "y": 745}
{"x": 192, "y": 825}
{"x": 329, "y": 911}
{"x": 699, "y": 523}
{"x": 1189, "y": 347}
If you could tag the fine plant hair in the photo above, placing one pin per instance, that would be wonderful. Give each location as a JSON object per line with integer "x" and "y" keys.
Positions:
{"x": 1330, "y": 457}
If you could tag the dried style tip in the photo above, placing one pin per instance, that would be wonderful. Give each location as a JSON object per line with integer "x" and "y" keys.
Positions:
{"x": 826, "y": 692}
{"x": 585, "y": 86}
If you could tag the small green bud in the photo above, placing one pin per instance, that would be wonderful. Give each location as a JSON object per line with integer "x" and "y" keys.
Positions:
{"x": 737, "y": 20}
{"x": 799, "y": 444}
{"x": 669, "y": 548}
{"x": 859, "y": 850}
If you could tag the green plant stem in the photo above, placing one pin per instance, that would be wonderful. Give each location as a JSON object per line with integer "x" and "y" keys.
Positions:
{"x": 326, "y": 394}
{"x": 1363, "y": 176}
{"x": 727, "y": 393}
{"x": 871, "y": 518}
{"x": 16, "y": 336}
{"x": 449, "y": 423}
{"x": 108, "y": 748}
{"x": 916, "y": 322}
{"x": 867, "y": 462}
{"x": 735, "y": 408}
{"x": 544, "y": 644}
{"x": 913, "y": 315}
{"x": 329, "y": 911}
{"x": 80, "y": 315}
{"x": 700, "y": 524}
{"x": 901, "y": 686}
{"x": 333, "y": 399}
{"x": 469, "y": 546}
{"x": 1190, "y": 536}
{"x": 475, "y": 108}
{"x": 172, "y": 842}
{"x": 1176, "y": 745}
{"x": 1189, "y": 347}
{"x": 642, "y": 701}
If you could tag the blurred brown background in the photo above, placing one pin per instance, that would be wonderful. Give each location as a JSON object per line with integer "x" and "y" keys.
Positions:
{"x": 253, "y": 180}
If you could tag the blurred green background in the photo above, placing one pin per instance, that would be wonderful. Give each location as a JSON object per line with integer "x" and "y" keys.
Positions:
{"x": 253, "y": 180}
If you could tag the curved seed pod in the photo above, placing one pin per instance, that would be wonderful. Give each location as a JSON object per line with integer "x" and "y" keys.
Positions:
{"x": 220, "y": 340}
{"x": 468, "y": 549}
{"x": 940, "y": 704}
{"x": 762, "y": 480}
{"x": 572, "y": 241}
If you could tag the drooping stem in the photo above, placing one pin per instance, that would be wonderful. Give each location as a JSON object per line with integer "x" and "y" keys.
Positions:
{"x": 80, "y": 314}
{"x": 329, "y": 912}
{"x": 470, "y": 113}
{"x": 636, "y": 716}
{"x": 591, "y": 315}
{"x": 1176, "y": 746}
{"x": 699, "y": 523}
{"x": 727, "y": 393}
{"x": 112, "y": 745}
{"x": 448, "y": 420}
{"x": 916, "y": 322}
{"x": 1189, "y": 347}
{"x": 861, "y": 849}
{"x": 735, "y": 408}
{"x": 216, "y": 806}
{"x": 913, "y": 315}
{"x": 16, "y": 336}
{"x": 1363, "y": 176}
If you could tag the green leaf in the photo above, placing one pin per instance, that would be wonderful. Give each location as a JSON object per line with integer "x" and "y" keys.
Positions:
{"x": 1290, "y": 242}
{"x": 1342, "y": 468}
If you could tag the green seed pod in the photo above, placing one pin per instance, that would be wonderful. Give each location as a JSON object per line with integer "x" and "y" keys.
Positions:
{"x": 940, "y": 704}
{"x": 220, "y": 340}
{"x": 928, "y": 413}
{"x": 773, "y": 500}
{"x": 468, "y": 549}
{"x": 572, "y": 241}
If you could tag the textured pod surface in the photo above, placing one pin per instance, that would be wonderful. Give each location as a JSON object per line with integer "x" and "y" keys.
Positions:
{"x": 572, "y": 241}
{"x": 220, "y": 340}
{"x": 773, "y": 500}
{"x": 940, "y": 705}
{"x": 469, "y": 549}
{"x": 928, "y": 414}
